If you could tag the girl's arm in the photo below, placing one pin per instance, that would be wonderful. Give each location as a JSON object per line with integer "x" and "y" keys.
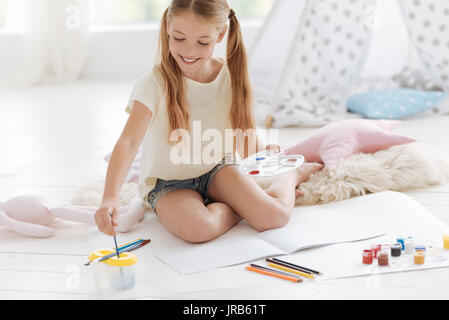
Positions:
{"x": 121, "y": 160}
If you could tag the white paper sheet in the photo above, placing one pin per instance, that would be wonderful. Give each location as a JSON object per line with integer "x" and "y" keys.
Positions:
{"x": 346, "y": 221}
{"x": 219, "y": 253}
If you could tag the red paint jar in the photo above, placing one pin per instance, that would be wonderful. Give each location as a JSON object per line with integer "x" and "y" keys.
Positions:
{"x": 368, "y": 256}
{"x": 383, "y": 258}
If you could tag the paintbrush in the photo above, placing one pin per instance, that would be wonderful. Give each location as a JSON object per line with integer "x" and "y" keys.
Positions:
{"x": 115, "y": 242}
{"x": 127, "y": 248}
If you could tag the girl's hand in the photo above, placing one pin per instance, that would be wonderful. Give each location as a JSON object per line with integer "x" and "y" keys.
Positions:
{"x": 106, "y": 217}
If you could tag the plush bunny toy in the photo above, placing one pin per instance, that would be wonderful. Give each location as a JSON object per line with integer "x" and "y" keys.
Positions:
{"x": 31, "y": 215}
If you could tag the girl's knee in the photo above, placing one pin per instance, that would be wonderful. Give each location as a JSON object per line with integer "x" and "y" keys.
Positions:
{"x": 199, "y": 229}
{"x": 274, "y": 218}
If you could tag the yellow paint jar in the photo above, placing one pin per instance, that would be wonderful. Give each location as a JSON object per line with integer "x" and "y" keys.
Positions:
{"x": 446, "y": 242}
{"x": 419, "y": 256}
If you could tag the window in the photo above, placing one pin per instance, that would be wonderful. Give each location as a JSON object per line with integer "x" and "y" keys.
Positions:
{"x": 113, "y": 12}
{"x": 3, "y": 4}
{"x": 11, "y": 16}
{"x": 107, "y": 12}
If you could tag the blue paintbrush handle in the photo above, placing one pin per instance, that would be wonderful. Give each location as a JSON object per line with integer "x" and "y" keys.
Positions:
{"x": 130, "y": 244}
{"x": 116, "y": 248}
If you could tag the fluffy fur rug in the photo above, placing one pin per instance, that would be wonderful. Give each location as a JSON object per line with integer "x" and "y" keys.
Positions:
{"x": 401, "y": 168}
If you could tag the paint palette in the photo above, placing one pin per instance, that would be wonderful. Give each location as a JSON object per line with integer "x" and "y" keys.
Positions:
{"x": 270, "y": 163}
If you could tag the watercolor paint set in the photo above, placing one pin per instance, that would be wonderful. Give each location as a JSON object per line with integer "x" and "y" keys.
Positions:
{"x": 270, "y": 163}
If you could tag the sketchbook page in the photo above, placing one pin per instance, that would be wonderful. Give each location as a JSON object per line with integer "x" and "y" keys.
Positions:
{"x": 238, "y": 245}
{"x": 219, "y": 253}
{"x": 350, "y": 220}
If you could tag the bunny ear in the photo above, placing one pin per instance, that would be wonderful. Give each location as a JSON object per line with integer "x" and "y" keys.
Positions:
{"x": 25, "y": 228}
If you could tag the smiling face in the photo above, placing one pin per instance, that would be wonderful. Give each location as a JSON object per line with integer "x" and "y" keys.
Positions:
{"x": 192, "y": 41}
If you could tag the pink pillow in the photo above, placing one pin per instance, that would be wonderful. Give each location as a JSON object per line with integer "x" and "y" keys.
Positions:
{"x": 342, "y": 139}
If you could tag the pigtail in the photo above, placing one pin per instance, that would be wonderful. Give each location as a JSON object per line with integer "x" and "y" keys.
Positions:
{"x": 177, "y": 108}
{"x": 242, "y": 117}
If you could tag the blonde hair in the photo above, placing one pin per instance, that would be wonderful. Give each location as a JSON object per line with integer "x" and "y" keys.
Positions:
{"x": 217, "y": 11}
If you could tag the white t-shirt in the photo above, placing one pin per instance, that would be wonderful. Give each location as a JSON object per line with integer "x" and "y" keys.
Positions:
{"x": 209, "y": 105}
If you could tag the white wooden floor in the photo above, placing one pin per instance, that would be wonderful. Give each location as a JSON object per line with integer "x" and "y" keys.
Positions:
{"x": 52, "y": 142}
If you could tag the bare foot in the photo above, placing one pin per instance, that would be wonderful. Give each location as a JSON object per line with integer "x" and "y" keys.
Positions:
{"x": 293, "y": 179}
{"x": 298, "y": 193}
{"x": 306, "y": 170}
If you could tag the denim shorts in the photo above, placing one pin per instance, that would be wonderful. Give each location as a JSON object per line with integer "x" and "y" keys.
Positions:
{"x": 200, "y": 184}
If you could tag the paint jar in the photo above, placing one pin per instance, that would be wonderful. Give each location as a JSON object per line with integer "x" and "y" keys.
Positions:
{"x": 421, "y": 247}
{"x": 383, "y": 258}
{"x": 396, "y": 250}
{"x": 376, "y": 248}
{"x": 409, "y": 245}
{"x": 121, "y": 271}
{"x": 368, "y": 257}
{"x": 446, "y": 242}
{"x": 419, "y": 257}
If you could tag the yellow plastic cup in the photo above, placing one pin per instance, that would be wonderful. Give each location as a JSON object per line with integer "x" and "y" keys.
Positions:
{"x": 99, "y": 271}
{"x": 121, "y": 272}
{"x": 116, "y": 273}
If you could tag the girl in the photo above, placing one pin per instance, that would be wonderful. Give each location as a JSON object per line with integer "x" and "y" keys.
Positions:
{"x": 196, "y": 200}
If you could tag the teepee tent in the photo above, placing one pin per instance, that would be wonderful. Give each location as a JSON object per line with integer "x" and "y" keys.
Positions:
{"x": 312, "y": 55}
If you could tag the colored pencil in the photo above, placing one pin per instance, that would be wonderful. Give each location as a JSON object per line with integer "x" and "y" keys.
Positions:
{"x": 288, "y": 265}
{"x": 273, "y": 273}
{"x": 283, "y": 268}
{"x": 294, "y": 266}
